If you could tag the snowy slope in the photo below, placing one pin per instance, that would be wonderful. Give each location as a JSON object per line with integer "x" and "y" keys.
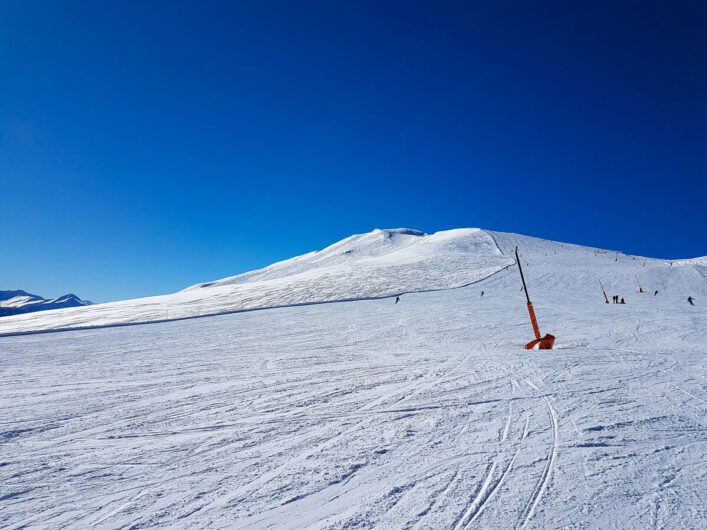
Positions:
{"x": 423, "y": 414}
{"x": 378, "y": 264}
{"x": 381, "y": 263}
{"x": 17, "y": 302}
{"x": 385, "y": 263}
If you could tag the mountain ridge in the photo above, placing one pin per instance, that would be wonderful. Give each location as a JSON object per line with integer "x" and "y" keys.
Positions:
{"x": 18, "y": 301}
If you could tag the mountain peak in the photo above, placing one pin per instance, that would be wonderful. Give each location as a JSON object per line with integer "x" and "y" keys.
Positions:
{"x": 17, "y": 301}
{"x": 399, "y": 231}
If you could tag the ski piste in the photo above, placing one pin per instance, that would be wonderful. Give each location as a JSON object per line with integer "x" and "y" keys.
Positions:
{"x": 342, "y": 412}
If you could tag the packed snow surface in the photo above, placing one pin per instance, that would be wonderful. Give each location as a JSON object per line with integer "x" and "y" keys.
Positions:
{"x": 427, "y": 413}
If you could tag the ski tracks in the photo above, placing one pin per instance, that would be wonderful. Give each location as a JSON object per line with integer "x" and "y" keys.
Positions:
{"x": 544, "y": 480}
{"x": 498, "y": 471}
{"x": 486, "y": 492}
{"x": 489, "y": 487}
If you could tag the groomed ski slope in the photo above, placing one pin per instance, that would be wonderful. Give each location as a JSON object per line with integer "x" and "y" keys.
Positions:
{"x": 422, "y": 414}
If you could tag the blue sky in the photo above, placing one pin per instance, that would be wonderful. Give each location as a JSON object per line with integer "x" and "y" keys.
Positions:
{"x": 144, "y": 148}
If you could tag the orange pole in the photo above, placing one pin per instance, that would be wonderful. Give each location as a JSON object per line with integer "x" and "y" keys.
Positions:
{"x": 603, "y": 291}
{"x": 533, "y": 320}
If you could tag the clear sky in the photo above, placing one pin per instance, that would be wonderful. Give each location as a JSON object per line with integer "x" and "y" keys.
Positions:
{"x": 147, "y": 146}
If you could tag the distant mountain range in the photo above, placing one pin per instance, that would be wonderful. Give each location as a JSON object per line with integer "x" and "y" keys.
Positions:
{"x": 16, "y": 302}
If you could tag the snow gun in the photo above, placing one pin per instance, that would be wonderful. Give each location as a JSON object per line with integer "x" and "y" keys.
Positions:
{"x": 542, "y": 343}
{"x": 603, "y": 291}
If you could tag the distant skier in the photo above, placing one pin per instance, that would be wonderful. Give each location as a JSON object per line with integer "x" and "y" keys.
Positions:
{"x": 482, "y": 294}
{"x": 690, "y": 299}
{"x": 655, "y": 293}
{"x": 622, "y": 300}
{"x": 397, "y": 299}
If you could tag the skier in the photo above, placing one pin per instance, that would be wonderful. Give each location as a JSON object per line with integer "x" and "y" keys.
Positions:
{"x": 655, "y": 293}
{"x": 397, "y": 299}
{"x": 482, "y": 294}
{"x": 622, "y": 300}
{"x": 690, "y": 299}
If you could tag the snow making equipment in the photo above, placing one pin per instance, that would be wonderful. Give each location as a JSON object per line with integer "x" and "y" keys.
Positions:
{"x": 542, "y": 343}
{"x": 603, "y": 291}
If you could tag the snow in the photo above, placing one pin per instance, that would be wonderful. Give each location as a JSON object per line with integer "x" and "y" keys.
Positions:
{"x": 423, "y": 414}
{"x": 18, "y": 301}
{"x": 379, "y": 264}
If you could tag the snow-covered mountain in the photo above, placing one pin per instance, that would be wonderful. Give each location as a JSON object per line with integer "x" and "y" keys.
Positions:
{"x": 426, "y": 413}
{"x": 18, "y": 302}
{"x": 385, "y": 262}
{"x": 380, "y": 264}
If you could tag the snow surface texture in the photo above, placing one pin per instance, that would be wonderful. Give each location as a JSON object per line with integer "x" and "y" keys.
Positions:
{"x": 423, "y": 414}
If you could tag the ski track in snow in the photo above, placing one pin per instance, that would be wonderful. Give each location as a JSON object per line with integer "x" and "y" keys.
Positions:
{"x": 424, "y": 414}
{"x": 547, "y": 471}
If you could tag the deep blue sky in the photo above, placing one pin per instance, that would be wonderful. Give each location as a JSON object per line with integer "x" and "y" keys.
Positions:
{"x": 144, "y": 148}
